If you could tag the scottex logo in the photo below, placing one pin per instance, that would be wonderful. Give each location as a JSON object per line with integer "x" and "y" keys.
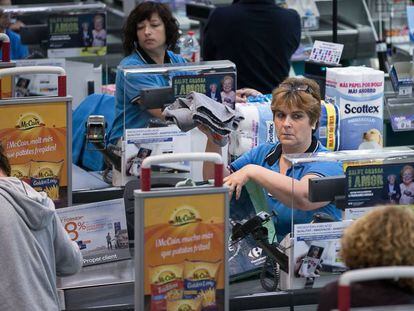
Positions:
{"x": 166, "y": 276}
{"x": 361, "y": 109}
{"x": 201, "y": 274}
{"x": 183, "y": 216}
{"x": 29, "y": 121}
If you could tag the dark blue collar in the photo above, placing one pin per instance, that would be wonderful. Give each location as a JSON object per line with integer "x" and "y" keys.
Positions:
{"x": 147, "y": 59}
{"x": 276, "y": 151}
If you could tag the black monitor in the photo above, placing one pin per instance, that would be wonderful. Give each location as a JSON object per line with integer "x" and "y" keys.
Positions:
{"x": 34, "y": 34}
{"x": 327, "y": 189}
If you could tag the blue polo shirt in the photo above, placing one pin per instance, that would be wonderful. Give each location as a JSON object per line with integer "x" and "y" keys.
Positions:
{"x": 17, "y": 49}
{"x": 268, "y": 155}
{"x": 128, "y": 89}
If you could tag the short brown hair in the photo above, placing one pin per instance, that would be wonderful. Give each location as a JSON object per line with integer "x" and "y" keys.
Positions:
{"x": 383, "y": 237}
{"x": 144, "y": 11}
{"x": 4, "y": 161}
{"x": 298, "y": 93}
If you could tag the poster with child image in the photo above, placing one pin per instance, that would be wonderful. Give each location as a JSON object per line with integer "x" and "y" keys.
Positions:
{"x": 316, "y": 254}
{"x": 220, "y": 87}
{"x": 72, "y": 35}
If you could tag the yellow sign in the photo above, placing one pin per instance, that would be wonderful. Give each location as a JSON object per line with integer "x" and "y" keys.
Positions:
{"x": 184, "y": 250}
{"x": 34, "y": 137}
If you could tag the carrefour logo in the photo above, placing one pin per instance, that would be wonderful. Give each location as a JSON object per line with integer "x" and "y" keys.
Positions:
{"x": 28, "y": 121}
{"x": 183, "y": 216}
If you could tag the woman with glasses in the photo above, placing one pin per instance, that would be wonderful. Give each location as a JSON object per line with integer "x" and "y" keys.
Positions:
{"x": 150, "y": 32}
{"x": 296, "y": 107}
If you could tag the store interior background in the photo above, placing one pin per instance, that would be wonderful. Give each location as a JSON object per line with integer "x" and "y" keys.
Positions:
{"x": 354, "y": 31}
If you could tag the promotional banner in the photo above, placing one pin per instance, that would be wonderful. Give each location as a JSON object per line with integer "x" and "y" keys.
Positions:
{"x": 35, "y": 140}
{"x": 316, "y": 252}
{"x": 77, "y": 35}
{"x": 37, "y": 84}
{"x": 141, "y": 143}
{"x": 219, "y": 86}
{"x": 99, "y": 229}
{"x": 370, "y": 185}
{"x": 184, "y": 264}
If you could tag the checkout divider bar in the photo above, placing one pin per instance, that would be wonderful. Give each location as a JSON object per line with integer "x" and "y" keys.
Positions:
{"x": 168, "y": 158}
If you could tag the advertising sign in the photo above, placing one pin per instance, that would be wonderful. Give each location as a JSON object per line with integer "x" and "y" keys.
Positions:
{"x": 77, "y": 35}
{"x": 184, "y": 264}
{"x": 99, "y": 229}
{"x": 34, "y": 137}
{"x": 141, "y": 143}
{"x": 37, "y": 84}
{"x": 370, "y": 185}
{"x": 316, "y": 253}
{"x": 219, "y": 86}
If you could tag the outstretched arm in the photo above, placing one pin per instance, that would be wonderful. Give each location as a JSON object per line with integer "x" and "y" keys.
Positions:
{"x": 289, "y": 191}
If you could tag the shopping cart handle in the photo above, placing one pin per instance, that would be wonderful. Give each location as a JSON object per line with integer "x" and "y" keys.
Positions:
{"x": 368, "y": 274}
{"x": 5, "y": 47}
{"x": 177, "y": 157}
{"x": 39, "y": 70}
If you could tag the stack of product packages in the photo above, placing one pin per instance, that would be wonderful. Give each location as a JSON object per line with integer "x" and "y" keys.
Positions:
{"x": 358, "y": 93}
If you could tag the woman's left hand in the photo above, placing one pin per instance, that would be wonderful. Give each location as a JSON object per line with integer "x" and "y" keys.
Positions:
{"x": 237, "y": 180}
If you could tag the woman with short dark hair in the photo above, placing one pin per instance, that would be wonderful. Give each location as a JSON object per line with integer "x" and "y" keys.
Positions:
{"x": 150, "y": 33}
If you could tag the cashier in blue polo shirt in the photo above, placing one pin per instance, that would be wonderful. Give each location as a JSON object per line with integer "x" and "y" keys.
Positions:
{"x": 17, "y": 49}
{"x": 296, "y": 109}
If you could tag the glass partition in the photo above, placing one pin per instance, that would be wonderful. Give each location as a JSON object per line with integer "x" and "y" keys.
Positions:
{"x": 343, "y": 186}
{"x": 70, "y": 35}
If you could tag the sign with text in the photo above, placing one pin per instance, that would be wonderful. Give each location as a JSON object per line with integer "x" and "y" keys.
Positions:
{"x": 370, "y": 185}
{"x": 34, "y": 137}
{"x": 219, "y": 86}
{"x": 184, "y": 247}
{"x": 99, "y": 229}
{"x": 316, "y": 253}
{"x": 326, "y": 52}
{"x": 77, "y": 35}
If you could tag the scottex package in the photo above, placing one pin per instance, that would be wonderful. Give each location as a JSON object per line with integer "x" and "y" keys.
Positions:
{"x": 200, "y": 280}
{"x": 358, "y": 92}
{"x": 166, "y": 283}
{"x": 328, "y": 131}
{"x": 45, "y": 176}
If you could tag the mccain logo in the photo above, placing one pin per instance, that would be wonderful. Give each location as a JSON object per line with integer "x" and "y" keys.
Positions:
{"x": 185, "y": 307}
{"x": 201, "y": 274}
{"x": 29, "y": 121}
{"x": 45, "y": 173}
{"x": 16, "y": 173}
{"x": 166, "y": 276}
{"x": 183, "y": 216}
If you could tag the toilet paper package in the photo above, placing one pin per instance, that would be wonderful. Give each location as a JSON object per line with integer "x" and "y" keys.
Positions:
{"x": 256, "y": 128}
{"x": 358, "y": 93}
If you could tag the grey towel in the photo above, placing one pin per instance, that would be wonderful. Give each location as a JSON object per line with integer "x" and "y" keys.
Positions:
{"x": 198, "y": 108}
